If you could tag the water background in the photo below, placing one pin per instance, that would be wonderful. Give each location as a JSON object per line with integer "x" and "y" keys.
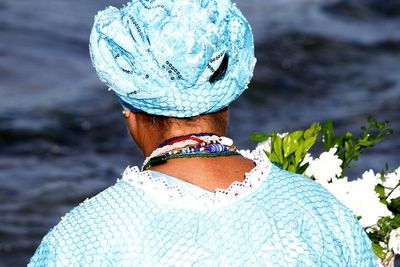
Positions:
{"x": 62, "y": 138}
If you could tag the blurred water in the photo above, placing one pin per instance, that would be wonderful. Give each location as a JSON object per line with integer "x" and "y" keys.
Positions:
{"x": 61, "y": 135}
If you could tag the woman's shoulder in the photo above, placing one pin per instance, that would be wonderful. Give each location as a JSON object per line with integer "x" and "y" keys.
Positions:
{"x": 108, "y": 205}
{"x": 289, "y": 191}
{"x": 297, "y": 187}
{"x": 91, "y": 225}
{"x": 314, "y": 212}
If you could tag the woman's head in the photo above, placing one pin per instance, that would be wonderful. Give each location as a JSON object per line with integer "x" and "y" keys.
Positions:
{"x": 174, "y": 58}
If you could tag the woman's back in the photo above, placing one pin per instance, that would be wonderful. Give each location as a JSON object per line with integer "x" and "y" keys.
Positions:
{"x": 274, "y": 218}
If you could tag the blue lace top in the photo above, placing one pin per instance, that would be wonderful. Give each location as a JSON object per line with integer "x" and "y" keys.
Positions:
{"x": 272, "y": 218}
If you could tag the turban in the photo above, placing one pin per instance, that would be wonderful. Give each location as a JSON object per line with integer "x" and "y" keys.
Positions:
{"x": 176, "y": 58}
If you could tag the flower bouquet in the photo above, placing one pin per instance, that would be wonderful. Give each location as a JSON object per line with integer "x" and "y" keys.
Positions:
{"x": 374, "y": 197}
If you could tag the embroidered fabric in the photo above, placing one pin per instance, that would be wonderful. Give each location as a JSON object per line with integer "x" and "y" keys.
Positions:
{"x": 159, "y": 55}
{"x": 172, "y": 193}
{"x": 288, "y": 220}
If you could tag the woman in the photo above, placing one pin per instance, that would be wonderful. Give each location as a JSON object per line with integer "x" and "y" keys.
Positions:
{"x": 175, "y": 66}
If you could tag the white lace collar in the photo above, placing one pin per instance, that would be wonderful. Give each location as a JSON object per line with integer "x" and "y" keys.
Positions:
{"x": 159, "y": 189}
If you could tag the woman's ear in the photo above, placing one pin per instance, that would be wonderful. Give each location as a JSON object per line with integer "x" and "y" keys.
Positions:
{"x": 126, "y": 113}
{"x": 140, "y": 129}
{"x": 131, "y": 122}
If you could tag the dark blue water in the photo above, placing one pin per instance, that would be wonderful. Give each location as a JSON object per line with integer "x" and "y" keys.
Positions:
{"x": 62, "y": 138}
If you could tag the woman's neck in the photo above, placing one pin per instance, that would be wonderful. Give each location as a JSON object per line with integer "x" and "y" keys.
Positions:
{"x": 152, "y": 141}
{"x": 208, "y": 173}
{"x": 149, "y": 134}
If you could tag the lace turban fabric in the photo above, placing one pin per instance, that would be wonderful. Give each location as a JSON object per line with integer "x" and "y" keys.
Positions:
{"x": 177, "y": 58}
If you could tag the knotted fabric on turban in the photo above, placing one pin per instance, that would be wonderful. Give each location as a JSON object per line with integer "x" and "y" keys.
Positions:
{"x": 176, "y": 58}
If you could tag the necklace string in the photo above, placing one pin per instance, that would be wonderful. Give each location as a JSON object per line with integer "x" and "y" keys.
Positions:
{"x": 189, "y": 146}
{"x": 183, "y": 137}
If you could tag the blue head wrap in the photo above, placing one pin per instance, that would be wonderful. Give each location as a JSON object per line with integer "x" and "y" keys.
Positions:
{"x": 177, "y": 58}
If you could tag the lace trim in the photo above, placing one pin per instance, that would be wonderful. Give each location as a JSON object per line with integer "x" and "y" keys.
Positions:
{"x": 159, "y": 189}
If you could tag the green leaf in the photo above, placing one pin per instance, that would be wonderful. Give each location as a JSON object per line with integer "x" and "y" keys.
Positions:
{"x": 314, "y": 129}
{"x": 290, "y": 150}
{"x": 372, "y": 121}
{"x": 308, "y": 143}
{"x": 394, "y": 205}
{"x": 291, "y": 142}
{"x": 395, "y": 222}
{"x": 380, "y": 190}
{"x": 339, "y": 142}
{"x": 273, "y": 157}
{"x": 299, "y": 154}
{"x": 297, "y": 135}
{"x": 384, "y": 226}
{"x": 302, "y": 169}
{"x": 378, "y": 250}
{"x": 259, "y": 137}
{"x": 285, "y": 165}
{"x": 348, "y": 146}
{"x": 277, "y": 146}
{"x": 328, "y": 134}
{"x": 292, "y": 168}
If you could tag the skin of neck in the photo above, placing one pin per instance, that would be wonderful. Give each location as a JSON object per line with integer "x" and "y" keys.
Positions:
{"x": 206, "y": 173}
{"x": 148, "y": 135}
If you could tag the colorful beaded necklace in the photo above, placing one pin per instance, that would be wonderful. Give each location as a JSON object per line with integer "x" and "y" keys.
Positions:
{"x": 189, "y": 146}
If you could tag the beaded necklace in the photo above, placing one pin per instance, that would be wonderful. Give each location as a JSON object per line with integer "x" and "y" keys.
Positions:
{"x": 189, "y": 146}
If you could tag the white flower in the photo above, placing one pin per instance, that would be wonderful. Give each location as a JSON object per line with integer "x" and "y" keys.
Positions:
{"x": 365, "y": 202}
{"x": 394, "y": 241}
{"x": 390, "y": 182}
{"x": 360, "y": 196}
{"x": 395, "y": 194}
{"x": 338, "y": 188}
{"x": 326, "y": 167}
{"x": 371, "y": 178}
{"x": 392, "y": 179}
{"x": 265, "y": 145}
